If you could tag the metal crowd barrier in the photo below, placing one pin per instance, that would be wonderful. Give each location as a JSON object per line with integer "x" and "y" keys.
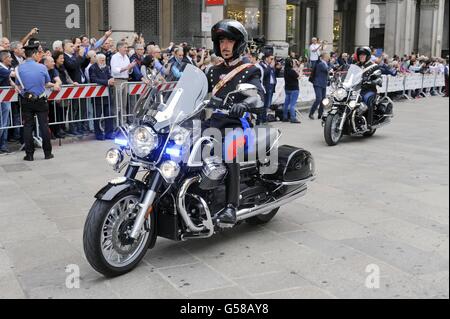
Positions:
{"x": 424, "y": 84}
{"x": 9, "y": 98}
{"x": 85, "y": 104}
{"x": 134, "y": 91}
{"x": 71, "y": 106}
{"x": 80, "y": 104}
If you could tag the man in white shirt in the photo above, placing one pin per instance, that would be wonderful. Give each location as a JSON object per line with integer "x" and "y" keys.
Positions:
{"x": 120, "y": 63}
{"x": 121, "y": 68}
{"x": 314, "y": 52}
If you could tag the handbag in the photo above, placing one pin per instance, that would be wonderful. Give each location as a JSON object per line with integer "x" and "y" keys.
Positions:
{"x": 312, "y": 77}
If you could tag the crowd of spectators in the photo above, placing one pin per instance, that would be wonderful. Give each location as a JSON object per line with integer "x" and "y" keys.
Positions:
{"x": 82, "y": 60}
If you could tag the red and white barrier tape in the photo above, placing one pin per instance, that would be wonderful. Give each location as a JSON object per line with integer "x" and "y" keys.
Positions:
{"x": 82, "y": 92}
{"x": 8, "y": 94}
{"x": 139, "y": 88}
{"x": 136, "y": 89}
{"x": 167, "y": 86}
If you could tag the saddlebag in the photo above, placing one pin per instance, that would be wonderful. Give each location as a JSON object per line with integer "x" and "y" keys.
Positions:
{"x": 294, "y": 165}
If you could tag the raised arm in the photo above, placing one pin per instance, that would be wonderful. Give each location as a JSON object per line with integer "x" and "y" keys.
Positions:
{"x": 29, "y": 36}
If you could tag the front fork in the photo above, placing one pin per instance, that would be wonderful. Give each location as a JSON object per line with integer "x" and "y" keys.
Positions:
{"x": 147, "y": 202}
{"x": 344, "y": 118}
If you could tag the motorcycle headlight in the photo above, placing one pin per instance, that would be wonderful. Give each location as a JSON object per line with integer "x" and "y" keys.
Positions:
{"x": 114, "y": 157}
{"x": 340, "y": 94}
{"x": 170, "y": 170}
{"x": 180, "y": 136}
{"x": 143, "y": 141}
{"x": 326, "y": 102}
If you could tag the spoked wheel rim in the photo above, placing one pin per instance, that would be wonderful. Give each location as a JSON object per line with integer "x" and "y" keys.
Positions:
{"x": 117, "y": 248}
{"x": 336, "y": 133}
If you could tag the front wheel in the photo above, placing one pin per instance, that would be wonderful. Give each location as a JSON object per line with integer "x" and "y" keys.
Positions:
{"x": 262, "y": 219}
{"x": 332, "y": 133}
{"x": 107, "y": 245}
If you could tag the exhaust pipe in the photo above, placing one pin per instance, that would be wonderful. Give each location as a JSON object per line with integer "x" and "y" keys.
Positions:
{"x": 181, "y": 204}
{"x": 267, "y": 208}
{"x": 242, "y": 214}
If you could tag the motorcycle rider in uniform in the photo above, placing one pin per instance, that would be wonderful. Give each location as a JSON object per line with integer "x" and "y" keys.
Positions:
{"x": 230, "y": 41}
{"x": 370, "y": 82}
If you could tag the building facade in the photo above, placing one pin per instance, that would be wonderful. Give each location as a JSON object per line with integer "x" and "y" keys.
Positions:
{"x": 397, "y": 26}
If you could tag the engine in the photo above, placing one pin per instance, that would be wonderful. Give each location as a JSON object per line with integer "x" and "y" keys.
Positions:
{"x": 213, "y": 173}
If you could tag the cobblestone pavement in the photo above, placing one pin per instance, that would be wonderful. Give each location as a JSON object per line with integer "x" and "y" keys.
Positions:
{"x": 380, "y": 202}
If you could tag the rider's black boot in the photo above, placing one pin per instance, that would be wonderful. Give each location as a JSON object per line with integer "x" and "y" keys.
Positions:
{"x": 370, "y": 114}
{"x": 227, "y": 217}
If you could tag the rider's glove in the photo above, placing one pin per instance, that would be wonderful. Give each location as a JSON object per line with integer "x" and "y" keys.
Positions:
{"x": 238, "y": 110}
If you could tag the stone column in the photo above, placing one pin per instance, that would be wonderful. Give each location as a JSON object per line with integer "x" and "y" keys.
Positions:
{"x": 390, "y": 44}
{"x": 325, "y": 23}
{"x": 276, "y": 26}
{"x": 362, "y": 27}
{"x": 445, "y": 37}
{"x": 410, "y": 26}
{"x": 395, "y": 27}
{"x": 121, "y": 18}
{"x": 1, "y": 19}
{"x": 166, "y": 22}
{"x": 428, "y": 27}
{"x": 400, "y": 26}
{"x": 95, "y": 22}
{"x": 308, "y": 24}
{"x": 440, "y": 29}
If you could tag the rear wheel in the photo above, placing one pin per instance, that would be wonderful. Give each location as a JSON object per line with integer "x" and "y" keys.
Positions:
{"x": 332, "y": 133}
{"x": 262, "y": 219}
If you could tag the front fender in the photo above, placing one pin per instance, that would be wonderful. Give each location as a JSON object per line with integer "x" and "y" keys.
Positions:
{"x": 112, "y": 191}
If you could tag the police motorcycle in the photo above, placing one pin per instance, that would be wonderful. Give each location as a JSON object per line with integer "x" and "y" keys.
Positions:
{"x": 173, "y": 184}
{"x": 348, "y": 110}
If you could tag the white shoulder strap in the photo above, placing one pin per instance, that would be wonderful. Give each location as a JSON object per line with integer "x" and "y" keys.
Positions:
{"x": 18, "y": 78}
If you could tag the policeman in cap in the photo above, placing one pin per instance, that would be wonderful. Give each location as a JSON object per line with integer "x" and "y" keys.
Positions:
{"x": 33, "y": 79}
{"x": 230, "y": 41}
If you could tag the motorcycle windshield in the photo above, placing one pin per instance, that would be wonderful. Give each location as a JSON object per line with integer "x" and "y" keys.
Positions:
{"x": 354, "y": 77}
{"x": 170, "y": 103}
